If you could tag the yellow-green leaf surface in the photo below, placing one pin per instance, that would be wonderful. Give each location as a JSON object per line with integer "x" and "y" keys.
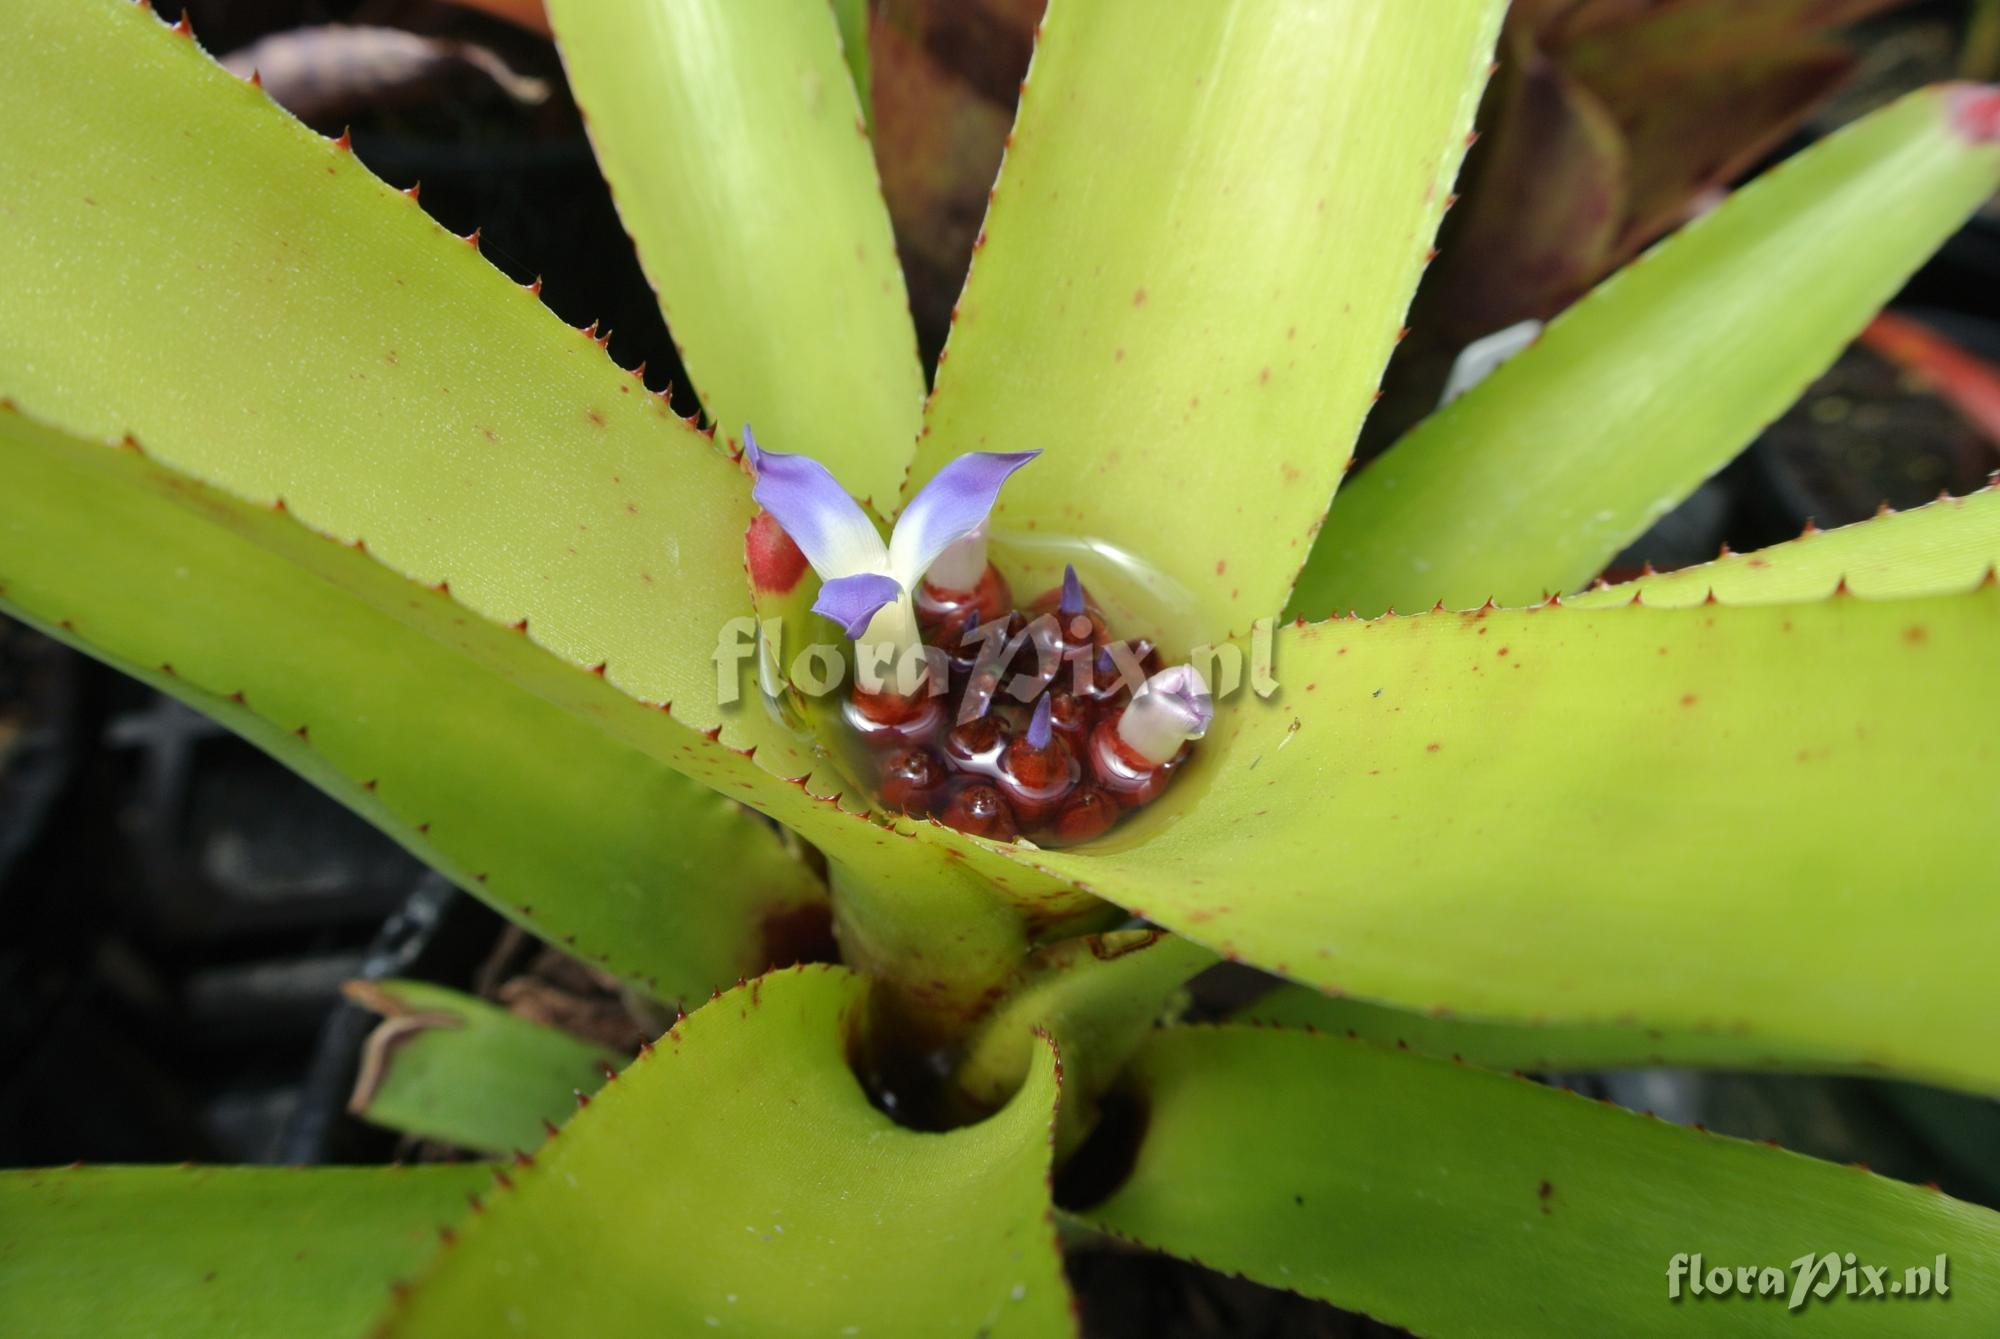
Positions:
{"x": 733, "y": 138}
{"x": 188, "y": 264}
{"x": 737, "y": 1179}
{"x": 483, "y": 755}
{"x": 445, "y": 1065}
{"x": 1768, "y": 821}
{"x": 1458, "y": 1202}
{"x": 1631, "y": 398}
{"x": 1529, "y": 1048}
{"x": 1098, "y": 996}
{"x": 1203, "y": 241}
{"x": 1945, "y": 545}
{"x": 193, "y": 1252}
{"x": 851, "y": 17}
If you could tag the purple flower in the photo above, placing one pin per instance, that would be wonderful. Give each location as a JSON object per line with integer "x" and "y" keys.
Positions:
{"x": 860, "y": 574}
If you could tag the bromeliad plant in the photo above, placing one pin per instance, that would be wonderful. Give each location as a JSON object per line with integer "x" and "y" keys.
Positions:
{"x": 278, "y": 445}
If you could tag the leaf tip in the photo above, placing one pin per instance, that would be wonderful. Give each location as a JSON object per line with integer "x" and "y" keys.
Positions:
{"x": 1974, "y": 111}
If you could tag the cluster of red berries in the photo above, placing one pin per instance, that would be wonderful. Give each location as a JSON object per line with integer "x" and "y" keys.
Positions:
{"x": 1026, "y": 738}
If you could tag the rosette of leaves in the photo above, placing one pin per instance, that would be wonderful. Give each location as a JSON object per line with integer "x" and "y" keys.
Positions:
{"x": 279, "y": 445}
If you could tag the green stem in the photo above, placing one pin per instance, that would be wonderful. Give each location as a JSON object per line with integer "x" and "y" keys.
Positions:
{"x": 940, "y": 954}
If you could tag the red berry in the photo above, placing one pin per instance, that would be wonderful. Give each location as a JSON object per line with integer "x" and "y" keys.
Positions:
{"x": 1037, "y": 772}
{"x": 1070, "y": 636}
{"x": 1072, "y": 718}
{"x": 1079, "y": 626}
{"x": 975, "y": 746}
{"x": 978, "y": 809}
{"x": 986, "y": 666}
{"x": 889, "y": 721}
{"x": 1124, "y": 775}
{"x": 775, "y": 562}
{"x": 943, "y": 614}
{"x": 1088, "y": 813}
{"x": 912, "y": 781}
{"x": 1058, "y": 769}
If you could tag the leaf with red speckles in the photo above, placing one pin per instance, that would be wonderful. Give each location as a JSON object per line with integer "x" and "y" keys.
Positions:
{"x": 1538, "y": 1048}
{"x": 735, "y": 142}
{"x": 1771, "y": 820}
{"x": 334, "y": 348}
{"x": 1947, "y": 545}
{"x": 1455, "y": 1201}
{"x": 484, "y": 755}
{"x": 445, "y": 1065}
{"x": 738, "y": 1177}
{"x": 1639, "y": 392}
{"x": 141, "y": 1252}
{"x": 355, "y": 367}
{"x": 1098, "y": 996}
{"x": 1201, "y": 247}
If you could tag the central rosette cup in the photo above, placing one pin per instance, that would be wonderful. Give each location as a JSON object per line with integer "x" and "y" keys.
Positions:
{"x": 999, "y": 720}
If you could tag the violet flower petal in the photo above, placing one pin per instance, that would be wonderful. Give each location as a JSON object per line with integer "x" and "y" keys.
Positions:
{"x": 1041, "y": 724}
{"x": 1186, "y": 694}
{"x": 1071, "y": 603}
{"x": 829, "y": 527}
{"x": 951, "y": 506}
{"x": 852, "y": 601}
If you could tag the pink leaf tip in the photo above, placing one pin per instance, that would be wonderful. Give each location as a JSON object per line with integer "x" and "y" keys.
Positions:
{"x": 1975, "y": 112}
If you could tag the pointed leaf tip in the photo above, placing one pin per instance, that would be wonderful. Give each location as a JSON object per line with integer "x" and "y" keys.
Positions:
{"x": 1975, "y": 112}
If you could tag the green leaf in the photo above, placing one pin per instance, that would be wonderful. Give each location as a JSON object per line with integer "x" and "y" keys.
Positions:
{"x": 738, "y": 1178}
{"x": 445, "y": 1065}
{"x": 140, "y": 1252}
{"x": 349, "y": 358}
{"x": 851, "y": 17}
{"x": 1098, "y": 996}
{"x": 483, "y": 755}
{"x": 331, "y": 346}
{"x": 1947, "y": 545}
{"x": 1357, "y": 1174}
{"x": 1655, "y": 380}
{"x": 1528, "y": 1047}
{"x": 1201, "y": 248}
{"x": 1761, "y": 820}
{"x": 731, "y": 132}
